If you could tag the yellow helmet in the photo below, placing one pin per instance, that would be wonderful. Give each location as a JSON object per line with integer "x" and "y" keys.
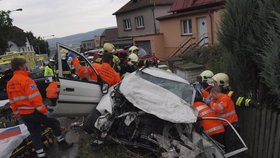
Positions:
{"x": 133, "y": 49}
{"x": 221, "y": 79}
{"x": 207, "y": 76}
{"x": 109, "y": 47}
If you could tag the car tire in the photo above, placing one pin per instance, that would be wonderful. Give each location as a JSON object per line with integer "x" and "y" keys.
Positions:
{"x": 88, "y": 125}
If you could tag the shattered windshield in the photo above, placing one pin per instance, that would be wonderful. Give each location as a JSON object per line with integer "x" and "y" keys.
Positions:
{"x": 182, "y": 90}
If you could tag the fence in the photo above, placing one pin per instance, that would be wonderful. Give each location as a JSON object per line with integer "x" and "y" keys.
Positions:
{"x": 260, "y": 129}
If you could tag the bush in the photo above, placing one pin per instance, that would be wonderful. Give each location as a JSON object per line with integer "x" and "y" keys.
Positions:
{"x": 249, "y": 33}
{"x": 209, "y": 56}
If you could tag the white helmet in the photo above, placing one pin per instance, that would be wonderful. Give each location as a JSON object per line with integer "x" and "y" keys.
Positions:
{"x": 221, "y": 79}
{"x": 109, "y": 47}
{"x": 133, "y": 59}
{"x": 207, "y": 76}
{"x": 133, "y": 49}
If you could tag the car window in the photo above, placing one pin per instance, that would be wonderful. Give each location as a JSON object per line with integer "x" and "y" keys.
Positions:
{"x": 68, "y": 71}
{"x": 182, "y": 90}
{"x": 142, "y": 52}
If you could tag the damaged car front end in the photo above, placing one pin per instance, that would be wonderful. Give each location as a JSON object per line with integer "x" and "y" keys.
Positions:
{"x": 152, "y": 109}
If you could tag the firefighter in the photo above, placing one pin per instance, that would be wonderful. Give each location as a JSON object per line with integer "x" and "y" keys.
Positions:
{"x": 110, "y": 48}
{"x": 214, "y": 128}
{"x": 133, "y": 59}
{"x": 222, "y": 80}
{"x": 52, "y": 92}
{"x": 48, "y": 71}
{"x": 105, "y": 70}
{"x": 26, "y": 103}
{"x": 205, "y": 82}
{"x": 224, "y": 107}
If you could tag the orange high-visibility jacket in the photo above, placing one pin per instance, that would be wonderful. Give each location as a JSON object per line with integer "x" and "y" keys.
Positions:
{"x": 106, "y": 72}
{"x": 210, "y": 127}
{"x": 224, "y": 108}
{"x": 205, "y": 92}
{"x": 24, "y": 95}
{"x": 52, "y": 90}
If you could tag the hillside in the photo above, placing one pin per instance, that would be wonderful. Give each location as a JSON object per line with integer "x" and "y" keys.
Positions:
{"x": 76, "y": 38}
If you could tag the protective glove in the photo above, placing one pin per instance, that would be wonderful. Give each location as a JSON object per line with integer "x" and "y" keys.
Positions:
{"x": 207, "y": 101}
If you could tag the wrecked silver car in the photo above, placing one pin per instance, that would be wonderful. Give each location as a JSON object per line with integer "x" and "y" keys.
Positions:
{"x": 152, "y": 109}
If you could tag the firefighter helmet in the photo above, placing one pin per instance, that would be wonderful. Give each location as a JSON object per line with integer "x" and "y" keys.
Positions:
{"x": 207, "y": 76}
{"x": 133, "y": 59}
{"x": 221, "y": 79}
{"x": 133, "y": 49}
{"x": 109, "y": 47}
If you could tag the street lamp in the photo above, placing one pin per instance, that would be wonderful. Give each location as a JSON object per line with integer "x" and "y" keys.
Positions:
{"x": 16, "y": 10}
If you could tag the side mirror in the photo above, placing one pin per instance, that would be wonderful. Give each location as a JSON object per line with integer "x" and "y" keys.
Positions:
{"x": 105, "y": 88}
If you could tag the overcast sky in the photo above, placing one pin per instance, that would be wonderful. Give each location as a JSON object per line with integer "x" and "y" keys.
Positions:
{"x": 62, "y": 17}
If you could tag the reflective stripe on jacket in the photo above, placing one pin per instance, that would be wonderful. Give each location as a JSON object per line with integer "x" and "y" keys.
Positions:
{"x": 106, "y": 72}
{"x": 52, "y": 90}
{"x": 24, "y": 95}
{"x": 224, "y": 107}
{"x": 210, "y": 127}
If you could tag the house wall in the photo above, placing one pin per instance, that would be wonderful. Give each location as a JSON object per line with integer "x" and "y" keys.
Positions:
{"x": 13, "y": 47}
{"x": 160, "y": 11}
{"x": 151, "y": 25}
{"x": 156, "y": 43}
{"x": 97, "y": 42}
{"x": 88, "y": 44}
{"x": 173, "y": 39}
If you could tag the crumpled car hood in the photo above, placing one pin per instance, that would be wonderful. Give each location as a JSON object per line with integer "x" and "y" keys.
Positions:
{"x": 156, "y": 100}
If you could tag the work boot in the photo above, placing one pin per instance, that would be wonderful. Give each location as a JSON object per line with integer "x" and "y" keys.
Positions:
{"x": 63, "y": 145}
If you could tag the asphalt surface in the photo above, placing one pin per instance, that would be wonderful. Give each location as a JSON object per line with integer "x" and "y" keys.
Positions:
{"x": 71, "y": 136}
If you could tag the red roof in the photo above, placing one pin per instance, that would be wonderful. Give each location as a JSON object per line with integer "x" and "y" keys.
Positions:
{"x": 180, "y": 5}
{"x": 137, "y": 4}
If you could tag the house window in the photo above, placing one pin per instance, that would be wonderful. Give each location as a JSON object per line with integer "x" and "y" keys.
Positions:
{"x": 139, "y": 22}
{"x": 187, "y": 27}
{"x": 127, "y": 24}
{"x": 84, "y": 45}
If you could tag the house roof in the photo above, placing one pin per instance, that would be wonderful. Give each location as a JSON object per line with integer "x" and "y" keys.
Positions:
{"x": 186, "y": 5}
{"x": 186, "y": 13}
{"x": 18, "y": 36}
{"x": 110, "y": 34}
{"x": 138, "y": 4}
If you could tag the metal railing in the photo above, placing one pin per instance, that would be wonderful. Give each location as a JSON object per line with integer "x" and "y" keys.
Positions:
{"x": 190, "y": 44}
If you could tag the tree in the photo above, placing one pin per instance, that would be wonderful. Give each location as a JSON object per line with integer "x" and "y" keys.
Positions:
{"x": 248, "y": 31}
{"x": 40, "y": 45}
{"x": 5, "y": 30}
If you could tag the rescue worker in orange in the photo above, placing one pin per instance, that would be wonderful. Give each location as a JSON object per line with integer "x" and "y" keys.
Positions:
{"x": 52, "y": 94}
{"x": 26, "y": 103}
{"x": 214, "y": 128}
{"x": 224, "y": 107}
{"x": 105, "y": 70}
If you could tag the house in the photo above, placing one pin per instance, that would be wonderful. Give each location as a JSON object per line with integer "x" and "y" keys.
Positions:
{"x": 88, "y": 44}
{"x": 137, "y": 23}
{"x": 18, "y": 41}
{"x": 192, "y": 23}
{"x": 109, "y": 35}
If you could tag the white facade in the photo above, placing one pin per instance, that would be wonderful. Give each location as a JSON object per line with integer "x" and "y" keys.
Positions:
{"x": 15, "y": 48}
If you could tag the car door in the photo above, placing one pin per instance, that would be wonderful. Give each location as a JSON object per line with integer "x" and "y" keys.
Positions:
{"x": 77, "y": 95}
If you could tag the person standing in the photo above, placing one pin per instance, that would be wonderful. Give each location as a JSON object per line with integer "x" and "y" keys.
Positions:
{"x": 224, "y": 107}
{"x": 26, "y": 103}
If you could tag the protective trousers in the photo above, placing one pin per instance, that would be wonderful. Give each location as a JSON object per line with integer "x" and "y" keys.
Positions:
{"x": 34, "y": 121}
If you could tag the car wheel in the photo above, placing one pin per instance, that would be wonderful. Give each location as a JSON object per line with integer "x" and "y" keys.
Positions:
{"x": 88, "y": 125}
